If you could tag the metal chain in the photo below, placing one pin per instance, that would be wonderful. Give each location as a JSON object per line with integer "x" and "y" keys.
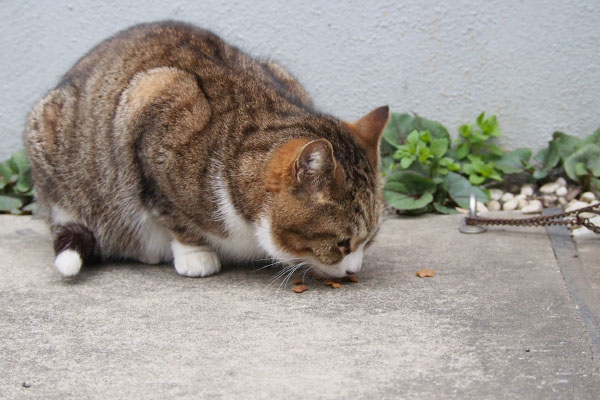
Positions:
{"x": 570, "y": 219}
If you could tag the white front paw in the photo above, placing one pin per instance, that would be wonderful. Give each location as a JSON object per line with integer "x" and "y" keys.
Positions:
{"x": 195, "y": 261}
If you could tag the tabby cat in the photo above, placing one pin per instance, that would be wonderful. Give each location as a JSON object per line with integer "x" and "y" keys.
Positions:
{"x": 164, "y": 143}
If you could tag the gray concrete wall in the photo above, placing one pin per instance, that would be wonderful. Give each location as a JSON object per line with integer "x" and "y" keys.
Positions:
{"x": 536, "y": 64}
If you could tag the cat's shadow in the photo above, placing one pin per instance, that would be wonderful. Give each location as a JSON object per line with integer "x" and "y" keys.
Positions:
{"x": 265, "y": 272}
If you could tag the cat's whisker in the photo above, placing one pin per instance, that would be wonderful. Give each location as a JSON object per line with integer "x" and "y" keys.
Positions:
{"x": 275, "y": 263}
{"x": 289, "y": 275}
{"x": 281, "y": 273}
{"x": 285, "y": 272}
{"x": 304, "y": 274}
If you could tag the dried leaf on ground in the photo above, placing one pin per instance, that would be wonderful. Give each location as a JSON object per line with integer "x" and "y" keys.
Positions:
{"x": 300, "y": 288}
{"x": 426, "y": 273}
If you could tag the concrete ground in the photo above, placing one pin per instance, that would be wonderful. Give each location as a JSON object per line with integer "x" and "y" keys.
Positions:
{"x": 496, "y": 321}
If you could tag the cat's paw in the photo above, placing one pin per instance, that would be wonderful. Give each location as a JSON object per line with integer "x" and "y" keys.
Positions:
{"x": 195, "y": 261}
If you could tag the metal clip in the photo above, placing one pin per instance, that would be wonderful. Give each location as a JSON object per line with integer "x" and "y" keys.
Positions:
{"x": 464, "y": 228}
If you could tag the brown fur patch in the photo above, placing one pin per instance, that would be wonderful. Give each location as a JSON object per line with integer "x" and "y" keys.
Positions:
{"x": 279, "y": 172}
{"x": 368, "y": 131}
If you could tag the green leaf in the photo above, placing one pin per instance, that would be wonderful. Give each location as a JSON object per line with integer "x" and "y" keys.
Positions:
{"x": 459, "y": 189}
{"x": 580, "y": 169}
{"x": 407, "y": 161}
{"x": 439, "y": 147}
{"x": 513, "y": 162}
{"x": 425, "y": 136}
{"x": 495, "y": 176}
{"x": 463, "y": 150}
{"x": 583, "y": 161}
{"x": 31, "y": 207}
{"x": 407, "y": 190}
{"x": 8, "y": 203}
{"x": 443, "y": 209}
{"x": 594, "y": 138}
{"x": 24, "y": 184}
{"x": 539, "y": 174}
{"x": 480, "y": 119}
{"x": 566, "y": 144}
{"x": 19, "y": 161}
{"x": 6, "y": 170}
{"x": 494, "y": 149}
{"x": 437, "y": 130}
{"x": 401, "y": 125}
{"x": 403, "y": 201}
{"x": 465, "y": 130}
{"x": 469, "y": 169}
{"x": 476, "y": 179}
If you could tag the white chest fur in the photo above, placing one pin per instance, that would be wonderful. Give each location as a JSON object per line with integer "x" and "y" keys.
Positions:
{"x": 241, "y": 242}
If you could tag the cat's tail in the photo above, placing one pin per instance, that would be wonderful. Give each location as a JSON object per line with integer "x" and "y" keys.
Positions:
{"x": 74, "y": 245}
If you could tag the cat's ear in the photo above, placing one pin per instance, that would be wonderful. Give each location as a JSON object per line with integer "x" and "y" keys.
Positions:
{"x": 315, "y": 165}
{"x": 368, "y": 131}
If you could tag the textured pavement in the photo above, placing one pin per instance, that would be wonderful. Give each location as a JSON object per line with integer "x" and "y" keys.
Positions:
{"x": 496, "y": 321}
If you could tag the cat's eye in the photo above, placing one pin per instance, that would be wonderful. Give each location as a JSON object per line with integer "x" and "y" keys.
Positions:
{"x": 345, "y": 243}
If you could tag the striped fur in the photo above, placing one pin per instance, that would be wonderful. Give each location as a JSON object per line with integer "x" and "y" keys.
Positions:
{"x": 141, "y": 137}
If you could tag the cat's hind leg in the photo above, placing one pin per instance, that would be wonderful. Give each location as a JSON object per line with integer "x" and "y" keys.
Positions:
{"x": 195, "y": 261}
{"x": 74, "y": 245}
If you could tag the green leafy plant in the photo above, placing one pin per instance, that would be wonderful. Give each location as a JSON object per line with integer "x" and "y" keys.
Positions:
{"x": 483, "y": 160}
{"x": 16, "y": 185}
{"x": 578, "y": 158}
{"x": 421, "y": 174}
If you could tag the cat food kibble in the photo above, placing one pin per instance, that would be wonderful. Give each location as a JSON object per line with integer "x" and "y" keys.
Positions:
{"x": 426, "y": 273}
{"x": 352, "y": 279}
{"x": 300, "y": 288}
{"x": 336, "y": 285}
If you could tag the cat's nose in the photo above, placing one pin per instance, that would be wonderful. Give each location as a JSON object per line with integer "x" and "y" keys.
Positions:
{"x": 353, "y": 261}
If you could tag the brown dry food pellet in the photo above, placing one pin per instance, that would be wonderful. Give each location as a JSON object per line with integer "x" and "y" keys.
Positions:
{"x": 300, "y": 288}
{"x": 426, "y": 273}
{"x": 297, "y": 281}
{"x": 351, "y": 278}
{"x": 328, "y": 282}
{"x": 336, "y": 285}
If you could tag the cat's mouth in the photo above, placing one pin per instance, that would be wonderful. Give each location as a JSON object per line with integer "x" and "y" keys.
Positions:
{"x": 350, "y": 265}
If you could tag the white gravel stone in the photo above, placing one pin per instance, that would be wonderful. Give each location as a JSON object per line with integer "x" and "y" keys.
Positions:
{"x": 561, "y": 182}
{"x": 584, "y": 233}
{"x": 481, "y": 208}
{"x": 562, "y": 201}
{"x": 507, "y": 196}
{"x": 510, "y": 205}
{"x": 461, "y": 210}
{"x": 576, "y": 205}
{"x": 534, "y": 207}
{"x": 494, "y": 205}
{"x": 549, "y": 188}
{"x": 588, "y": 197}
{"x": 496, "y": 194}
{"x": 561, "y": 191}
{"x": 521, "y": 197}
{"x": 522, "y": 203}
{"x": 527, "y": 190}
{"x": 549, "y": 200}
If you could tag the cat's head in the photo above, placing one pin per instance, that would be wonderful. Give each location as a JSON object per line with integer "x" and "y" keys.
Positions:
{"x": 325, "y": 196}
